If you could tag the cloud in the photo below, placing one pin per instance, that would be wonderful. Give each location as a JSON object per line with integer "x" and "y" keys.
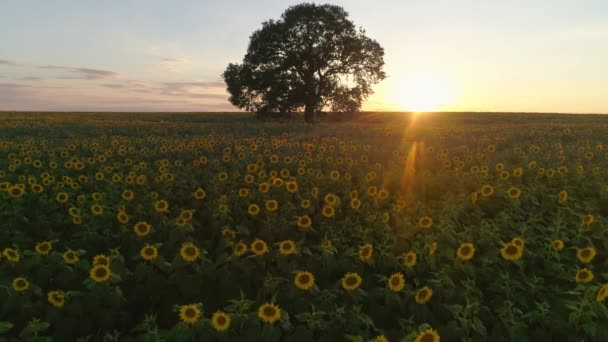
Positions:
{"x": 31, "y": 78}
{"x": 175, "y": 60}
{"x": 199, "y": 90}
{"x": 83, "y": 73}
{"x": 7, "y": 62}
{"x": 112, "y": 85}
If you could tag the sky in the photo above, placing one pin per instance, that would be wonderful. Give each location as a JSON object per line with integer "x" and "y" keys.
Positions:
{"x": 148, "y": 55}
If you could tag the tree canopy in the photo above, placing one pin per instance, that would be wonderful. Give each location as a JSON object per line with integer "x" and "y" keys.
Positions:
{"x": 312, "y": 58}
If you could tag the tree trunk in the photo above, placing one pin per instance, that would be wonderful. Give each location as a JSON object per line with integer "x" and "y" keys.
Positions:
{"x": 310, "y": 113}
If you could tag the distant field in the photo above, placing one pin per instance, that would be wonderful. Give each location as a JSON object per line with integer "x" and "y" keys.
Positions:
{"x": 215, "y": 226}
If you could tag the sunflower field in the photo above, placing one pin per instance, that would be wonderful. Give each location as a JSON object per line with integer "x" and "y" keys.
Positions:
{"x": 388, "y": 227}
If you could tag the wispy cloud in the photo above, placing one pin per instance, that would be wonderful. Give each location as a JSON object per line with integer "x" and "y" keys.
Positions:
{"x": 7, "y": 62}
{"x": 83, "y": 73}
{"x": 201, "y": 90}
{"x": 112, "y": 85}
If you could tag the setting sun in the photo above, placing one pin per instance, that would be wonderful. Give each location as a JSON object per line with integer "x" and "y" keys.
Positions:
{"x": 423, "y": 92}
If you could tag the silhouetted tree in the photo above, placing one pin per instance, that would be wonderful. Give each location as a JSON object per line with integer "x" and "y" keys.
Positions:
{"x": 312, "y": 58}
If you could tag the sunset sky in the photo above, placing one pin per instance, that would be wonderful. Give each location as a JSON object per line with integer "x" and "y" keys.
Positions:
{"x": 516, "y": 55}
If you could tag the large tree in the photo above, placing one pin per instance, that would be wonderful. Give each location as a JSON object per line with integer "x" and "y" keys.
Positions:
{"x": 312, "y": 58}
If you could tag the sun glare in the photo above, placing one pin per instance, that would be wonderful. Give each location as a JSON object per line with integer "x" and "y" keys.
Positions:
{"x": 423, "y": 92}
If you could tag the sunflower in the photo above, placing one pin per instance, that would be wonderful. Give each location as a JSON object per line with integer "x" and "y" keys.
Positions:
{"x": 351, "y": 281}
{"x": 142, "y": 228}
{"x": 189, "y": 251}
{"x": 425, "y": 222}
{"x": 304, "y": 280}
{"x": 557, "y": 245}
{"x": 588, "y": 219}
{"x": 287, "y": 247}
{"x": 355, "y": 203}
{"x": 433, "y": 248}
{"x": 43, "y": 248}
{"x": 62, "y": 197}
{"x": 304, "y": 222}
{"x": 253, "y": 209}
{"x": 380, "y": 338}
{"x": 328, "y": 211}
{"x": 366, "y": 251}
{"x": 128, "y": 195}
{"x": 122, "y": 217}
{"x": 70, "y": 257}
{"x": 228, "y": 233}
{"x": 466, "y": 251}
{"x": 424, "y": 295}
{"x": 291, "y": 187}
{"x": 487, "y": 190}
{"x": 189, "y": 313}
{"x": 96, "y": 209}
{"x": 149, "y": 252}
{"x": 20, "y": 284}
{"x": 409, "y": 259}
{"x": 16, "y": 191}
{"x": 56, "y": 298}
{"x": 272, "y": 205}
{"x": 429, "y": 335}
{"x": 326, "y": 244}
{"x": 562, "y": 197}
{"x": 396, "y": 282}
{"x": 220, "y": 321}
{"x": 584, "y": 275}
{"x": 259, "y": 247}
{"x": 586, "y": 254}
{"x": 513, "y": 192}
{"x": 186, "y": 215}
{"x": 602, "y": 293}
{"x": 161, "y": 206}
{"x": 511, "y": 251}
{"x": 200, "y": 194}
{"x": 11, "y": 254}
{"x": 269, "y": 313}
{"x": 240, "y": 249}
{"x": 305, "y": 204}
{"x": 100, "y": 273}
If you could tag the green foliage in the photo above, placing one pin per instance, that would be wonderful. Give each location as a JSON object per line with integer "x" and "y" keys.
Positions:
{"x": 402, "y": 171}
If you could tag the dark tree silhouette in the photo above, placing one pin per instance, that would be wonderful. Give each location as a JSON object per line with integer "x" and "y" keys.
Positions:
{"x": 312, "y": 58}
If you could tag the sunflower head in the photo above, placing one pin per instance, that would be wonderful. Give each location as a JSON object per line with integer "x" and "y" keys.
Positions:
{"x": 190, "y": 313}
{"x": 304, "y": 280}
{"x": 240, "y": 249}
{"x": 366, "y": 251}
{"x": 428, "y": 335}
{"x": 602, "y": 293}
{"x": 20, "y": 284}
{"x": 287, "y": 247}
{"x": 148, "y": 252}
{"x": 70, "y": 257}
{"x": 425, "y": 222}
{"x": 11, "y": 254}
{"x": 396, "y": 282}
{"x": 56, "y": 298}
{"x": 423, "y": 295}
{"x": 557, "y": 245}
{"x": 511, "y": 251}
{"x": 586, "y": 254}
{"x": 269, "y": 313}
{"x": 584, "y": 275}
{"x": 189, "y": 252}
{"x": 304, "y": 222}
{"x": 220, "y": 321}
{"x": 100, "y": 273}
{"x": 259, "y": 247}
{"x": 465, "y": 251}
{"x": 409, "y": 259}
{"x": 351, "y": 281}
{"x": 43, "y": 248}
